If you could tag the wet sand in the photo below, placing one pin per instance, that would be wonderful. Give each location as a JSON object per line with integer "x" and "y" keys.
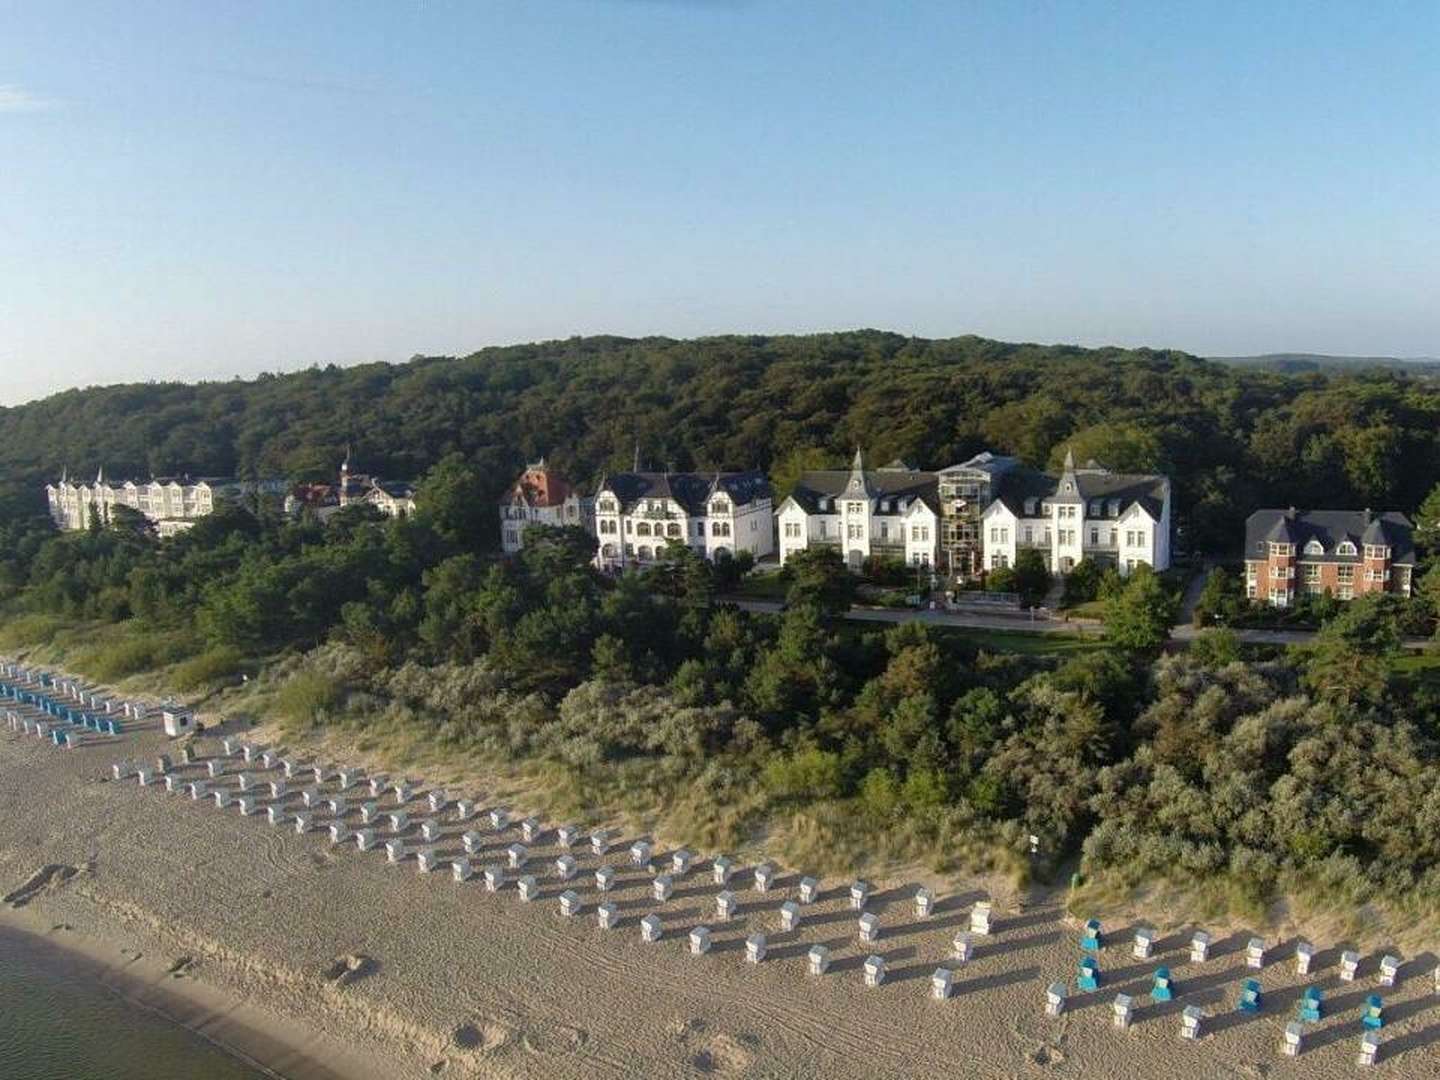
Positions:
{"x": 345, "y": 965}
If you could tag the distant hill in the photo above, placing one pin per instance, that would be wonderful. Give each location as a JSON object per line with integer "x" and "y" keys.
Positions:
{"x": 1299, "y": 363}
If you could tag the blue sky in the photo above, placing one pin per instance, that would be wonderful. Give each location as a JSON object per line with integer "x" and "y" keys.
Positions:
{"x": 199, "y": 190}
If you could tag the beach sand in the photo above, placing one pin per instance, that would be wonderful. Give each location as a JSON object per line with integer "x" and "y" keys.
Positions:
{"x": 321, "y": 961}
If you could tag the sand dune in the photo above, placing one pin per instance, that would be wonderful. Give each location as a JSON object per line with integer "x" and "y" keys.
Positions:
{"x": 384, "y": 971}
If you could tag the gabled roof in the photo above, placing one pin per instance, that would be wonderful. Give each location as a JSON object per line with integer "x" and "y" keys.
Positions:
{"x": 690, "y": 490}
{"x": 1120, "y": 489}
{"x": 1330, "y": 528}
{"x": 883, "y": 486}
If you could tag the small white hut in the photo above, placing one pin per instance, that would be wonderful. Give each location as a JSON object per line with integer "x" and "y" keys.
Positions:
{"x": 566, "y": 835}
{"x": 700, "y": 940}
{"x": 924, "y": 903}
{"x": 859, "y": 893}
{"x": 721, "y": 869}
{"x": 818, "y": 959}
{"x": 565, "y": 867}
{"x": 437, "y": 801}
{"x": 874, "y": 970}
{"x": 1255, "y": 953}
{"x": 1122, "y": 1010}
{"x": 1349, "y": 965}
{"x": 963, "y": 947}
{"x": 499, "y": 818}
{"x": 473, "y": 842}
{"x": 394, "y": 850}
{"x": 651, "y": 928}
{"x": 302, "y": 822}
{"x": 607, "y": 915}
{"x": 494, "y": 878}
{"x": 1199, "y": 947}
{"x": 1144, "y": 943}
{"x": 364, "y": 839}
{"x": 570, "y": 902}
{"x": 764, "y": 877}
{"x": 680, "y": 862}
{"x": 869, "y": 928}
{"x": 942, "y": 982}
{"x": 1304, "y": 957}
{"x": 1190, "y": 1020}
{"x": 246, "y": 803}
{"x": 640, "y": 853}
{"x": 662, "y": 887}
{"x": 460, "y": 869}
{"x": 1389, "y": 969}
{"x": 339, "y": 832}
{"x": 369, "y": 812}
{"x": 725, "y": 905}
{"x": 755, "y": 948}
{"x": 399, "y": 821}
{"x": 789, "y": 915}
{"x": 1055, "y": 999}
{"x": 981, "y": 917}
{"x": 515, "y": 855}
{"x": 275, "y": 814}
{"x": 528, "y": 888}
{"x": 426, "y": 860}
{"x": 430, "y": 830}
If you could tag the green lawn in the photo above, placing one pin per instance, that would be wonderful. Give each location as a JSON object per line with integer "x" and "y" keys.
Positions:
{"x": 764, "y": 587}
{"x": 1019, "y": 641}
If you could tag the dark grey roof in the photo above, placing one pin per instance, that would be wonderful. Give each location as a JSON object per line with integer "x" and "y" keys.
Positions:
{"x": 1330, "y": 528}
{"x": 690, "y": 490}
{"x": 889, "y": 486}
{"x": 1115, "y": 490}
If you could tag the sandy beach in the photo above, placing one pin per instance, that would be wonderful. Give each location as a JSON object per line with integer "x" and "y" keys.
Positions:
{"x": 322, "y": 961}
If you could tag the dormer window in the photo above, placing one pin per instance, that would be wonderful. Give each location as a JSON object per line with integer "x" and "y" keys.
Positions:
{"x": 1314, "y": 547}
{"x": 1029, "y": 507}
{"x": 1114, "y": 507}
{"x": 1345, "y": 547}
{"x": 1095, "y": 508}
{"x": 884, "y": 506}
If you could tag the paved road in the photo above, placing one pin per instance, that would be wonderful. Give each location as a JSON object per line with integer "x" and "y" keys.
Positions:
{"x": 1043, "y": 624}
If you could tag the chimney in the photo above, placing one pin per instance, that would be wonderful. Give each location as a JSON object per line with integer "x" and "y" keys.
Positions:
{"x": 1290, "y": 514}
{"x": 1366, "y": 515}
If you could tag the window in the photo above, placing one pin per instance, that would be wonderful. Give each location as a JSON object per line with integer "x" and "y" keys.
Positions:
{"x": 853, "y": 532}
{"x": 673, "y": 529}
{"x": 629, "y": 526}
{"x": 1094, "y": 507}
{"x": 1345, "y": 547}
{"x": 994, "y": 535}
{"x": 1139, "y": 537}
{"x": 855, "y": 507}
{"x": 510, "y": 538}
{"x": 1312, "y": 572}
{"x": 884, "y": 530}
{"x": 1289, "y": 549}
{"x": 643, "y": 529}
{"x": 1347, "y": 592}
{"x": 1004, "y": 536}
{"x": 1130, "y": 538}
{"x": 792, "y": 530}
{"x": 1345, "y": 575}
{"x": 1314, "y": 547}
{"x": 1028, "y": 535}
{"x": 1376, "y": 551}
{"x": 1094, "y": 537}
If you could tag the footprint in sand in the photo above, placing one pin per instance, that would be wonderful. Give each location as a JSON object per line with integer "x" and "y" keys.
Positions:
{"x": 561, "y": 1039}
{"x": 723, "y": 1054}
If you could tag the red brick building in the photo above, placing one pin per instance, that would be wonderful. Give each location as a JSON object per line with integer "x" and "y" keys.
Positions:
{"x": 1291, "y": 553}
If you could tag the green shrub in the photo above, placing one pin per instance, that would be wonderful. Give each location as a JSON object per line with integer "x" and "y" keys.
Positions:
{"x": 26, "y": 630}
{"x": 211, "y": 666}
{"x": 307, "y": 698}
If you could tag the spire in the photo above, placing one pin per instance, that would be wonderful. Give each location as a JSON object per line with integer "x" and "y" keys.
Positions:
{"x": 100, "y": 476}
{"x": 636, "y": 467}
{"x": 345, "y": 465}
{"x": 857, "y": 484}
{"x": 1069, "y": 460}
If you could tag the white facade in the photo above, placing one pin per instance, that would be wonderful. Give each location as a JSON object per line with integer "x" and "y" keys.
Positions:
{"x": 888, "y": 513}
{"x": 540, "y": 497}
{"x": 172, "y": 504}
{"x": 1086, "y": 513}
{"x": 638, "y": 514}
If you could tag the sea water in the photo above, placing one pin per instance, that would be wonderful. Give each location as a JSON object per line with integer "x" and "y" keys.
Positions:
{"x": 58, "y": 1023}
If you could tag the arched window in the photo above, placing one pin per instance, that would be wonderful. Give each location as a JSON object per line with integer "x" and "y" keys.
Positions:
{"x": 643, "y": 528}
{"x": 645, "y": 552}
{"x": 1345, "y": 547}
{"x": 1314, "y": 547}
{"x": 608, "y": 551}
{"x": 673, "y": 529}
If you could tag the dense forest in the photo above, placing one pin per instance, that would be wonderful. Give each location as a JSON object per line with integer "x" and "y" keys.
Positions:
{"x": 1238, "y": 775}
{"x": 1232, "y": 438}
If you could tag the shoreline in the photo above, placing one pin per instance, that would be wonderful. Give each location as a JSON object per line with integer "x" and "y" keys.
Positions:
{"x": 251, "y": 1034}
{"x": 312, "y": 960}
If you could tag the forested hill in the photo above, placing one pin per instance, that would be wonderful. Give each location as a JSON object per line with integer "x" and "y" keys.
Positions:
{"x": 1232, "y": 438}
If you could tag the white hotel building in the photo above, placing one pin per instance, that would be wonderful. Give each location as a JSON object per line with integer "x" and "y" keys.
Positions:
{"x": 886, "y": 513}
{"x": 718, "y": 515}
{"x": 171, "y": 504}
{"x": 1115, "y": 519}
